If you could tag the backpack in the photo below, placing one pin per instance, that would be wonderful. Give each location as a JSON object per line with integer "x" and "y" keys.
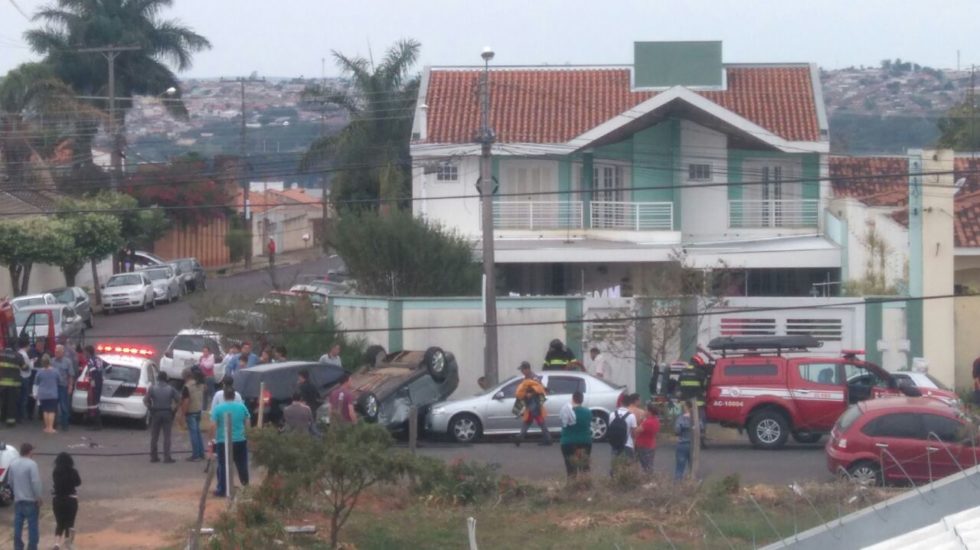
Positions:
{"x": 618, "y": 432}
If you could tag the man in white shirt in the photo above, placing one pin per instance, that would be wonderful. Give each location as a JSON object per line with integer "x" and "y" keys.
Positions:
{"x": 600, "y": 367}
{"x": 332, "y": 357}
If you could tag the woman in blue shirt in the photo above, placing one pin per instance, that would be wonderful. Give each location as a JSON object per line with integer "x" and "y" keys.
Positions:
{"x": 46, "y": 387}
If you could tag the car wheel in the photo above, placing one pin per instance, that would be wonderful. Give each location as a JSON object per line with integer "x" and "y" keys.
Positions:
{"x": 436, "y": 363}
{"x": 807, "y": 438}
{"x": 465, "y": 428}
{"x": 768, "y": 430}
{"x": 153, "y": 304}
{"x": 368, "y": 406}
{"x": 865, "y": 473}
{"x": 374, "y": 355}
{"x": 600, "y": 426}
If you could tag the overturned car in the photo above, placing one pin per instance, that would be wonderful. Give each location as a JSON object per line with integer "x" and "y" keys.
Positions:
{"x": 387, "y": 386}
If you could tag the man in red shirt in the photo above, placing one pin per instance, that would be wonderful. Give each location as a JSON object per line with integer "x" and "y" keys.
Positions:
{"x": 645, "y": 438}
{"x": 342, "y": 403}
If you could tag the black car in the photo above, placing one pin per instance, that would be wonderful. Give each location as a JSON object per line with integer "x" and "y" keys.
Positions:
{"x": 281, "y": 381}
{"x": 191, "y": 273}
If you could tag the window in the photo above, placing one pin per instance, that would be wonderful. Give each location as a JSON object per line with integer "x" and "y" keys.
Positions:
{"x": 565, "y": 385}
{"x": 819, "y": 373}
{"x": 699, "y": 172}
{"x": 529, "y": 179}
{"x": 448, "y": 171}
{"x": 899, "y": 425}
{"x": 510, "y": 389}
{"x": 124, "y": 374}
{"x": 850, "y": 415}
{"x": 750, "y": 370}
{"x": 609, "y": 182}
{"x": 193, "y": 343}
{"x": 859, "y": 376}
{"x": 946, "y": 429}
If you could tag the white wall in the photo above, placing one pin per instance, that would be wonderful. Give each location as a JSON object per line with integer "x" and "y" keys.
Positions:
{"x": 47, "y": 277}
{"x": 703, "y": 210}
{"x": 461, "y": 214}
{"x": 895, "y": 236}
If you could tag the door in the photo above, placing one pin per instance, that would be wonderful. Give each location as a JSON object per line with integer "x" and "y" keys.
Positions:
{"x": 120, "y": 381}
{"x": 775, "y": 201}
{"x": 948, "y": 446}
{"x": 900, "y": 442}
{"x": 40, "y": 325}
{"x": 818, "y": 394}
{"x": 560, "y": 390}
{"x": 865, "y": 383}
{"x": 499, "y": 415}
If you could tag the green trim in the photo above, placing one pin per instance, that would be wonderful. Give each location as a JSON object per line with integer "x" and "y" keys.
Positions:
{"x": 675, "y": 174}
{"x": 845, "y": 253}
{"x": 872, "y": 330}
{"x": 735, "y": 158}
{"x": 330, "y": 308}
{"x": 573, "y": 330}
{"x": 395, "y": 324}
{"x": 915, "y": 328}
{"x": 643, "y": 347}
{"x": 565, "y": 179}
{"x": 588, "y": 174}
{"x": 810, "y": 175}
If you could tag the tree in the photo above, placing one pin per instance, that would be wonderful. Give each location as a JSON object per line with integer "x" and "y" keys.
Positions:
{"x": 371, "y": 152}
{"x": 186, "y": 183}
{"x": 26, "y": 242}
{"x": 92, "y": 236}
{"x": 959, "y": 129}
{"x": 69, "y": 25}
{"x": 401, "y": 255}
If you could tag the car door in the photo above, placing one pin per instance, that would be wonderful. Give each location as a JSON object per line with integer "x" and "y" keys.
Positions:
{"x": 82, "y": 304}
{"x": 499, "y": 409}
{"x": 949, "y": 447}
{"x": 40, "y": 324}
{"x": 865, "y": 383}
{"x": 560, "y": 389}
{"x": 817, "y": 393}
{"x": 900, "y": 442}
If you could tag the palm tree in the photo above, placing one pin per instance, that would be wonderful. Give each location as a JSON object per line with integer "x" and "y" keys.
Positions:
{"x": 371, "y": 153}
{"x": 69, "y": 25}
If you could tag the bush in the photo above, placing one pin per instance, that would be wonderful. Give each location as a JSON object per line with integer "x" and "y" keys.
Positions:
{"x": 459, "y": 482}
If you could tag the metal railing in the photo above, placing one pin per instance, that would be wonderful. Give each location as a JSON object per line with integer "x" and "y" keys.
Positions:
{"x": 633, "y": 216}
{"x": 537, "y": 215}
{"x": 786, "y": 213}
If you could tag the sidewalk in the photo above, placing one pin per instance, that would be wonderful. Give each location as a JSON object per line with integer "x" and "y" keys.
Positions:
{"x": 262, "y": 262}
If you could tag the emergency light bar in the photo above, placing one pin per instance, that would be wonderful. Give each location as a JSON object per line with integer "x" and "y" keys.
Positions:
{"x": 124, "y": 350}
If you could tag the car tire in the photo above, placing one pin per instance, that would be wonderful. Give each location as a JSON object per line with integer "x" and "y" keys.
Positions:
{"x": 865, "y": 473}
{"x": 436, "y": 363}
{"x": 807, "y": 438}
{"x": 768, "y": 429}
{"x": 600, "y": 426}
{"x": 374, "y": 355}
{"x": 368, "y": 406}
{"x": 465, "y": 428}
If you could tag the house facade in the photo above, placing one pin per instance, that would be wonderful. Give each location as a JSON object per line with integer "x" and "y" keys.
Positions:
{"x": 605, "y": 173}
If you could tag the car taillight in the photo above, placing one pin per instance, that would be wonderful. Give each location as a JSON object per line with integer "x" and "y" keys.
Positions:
{"x": 842, "y": 443}
{"x": 266, "y": 398}
{"x": 139, "y": 391}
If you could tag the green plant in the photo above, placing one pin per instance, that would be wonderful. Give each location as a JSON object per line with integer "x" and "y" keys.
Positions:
{"x": 459, "y": 482}
{"x": 626, "y": 474}
{"x": 251, "y": 524}
{"x": 238, "y": 240}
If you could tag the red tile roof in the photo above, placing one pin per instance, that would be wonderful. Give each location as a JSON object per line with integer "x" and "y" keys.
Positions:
{"x": 967, "y": 221}
{"x": 556, "y": 104}
{"x": 875, "y": 181}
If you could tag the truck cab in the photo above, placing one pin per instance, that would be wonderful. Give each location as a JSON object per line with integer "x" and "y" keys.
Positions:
{"x": 774, "y": 387}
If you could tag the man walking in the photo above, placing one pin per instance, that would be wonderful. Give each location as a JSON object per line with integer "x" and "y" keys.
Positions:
{"x": 342, "y": 403}
{"x": 531, "y": 394}
{"x": 10, "y": 382}
{"x": 25, "y": 481}
{"x": 66, "y": 380}
{"x": 161, "y": 400}
{"x": 238, "y": 415}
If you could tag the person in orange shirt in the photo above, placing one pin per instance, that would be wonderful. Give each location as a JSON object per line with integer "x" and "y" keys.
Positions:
{"x": 532, "y": 394}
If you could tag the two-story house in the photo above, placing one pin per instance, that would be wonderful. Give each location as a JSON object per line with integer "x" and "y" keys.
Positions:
{"x": 607, "y": 172}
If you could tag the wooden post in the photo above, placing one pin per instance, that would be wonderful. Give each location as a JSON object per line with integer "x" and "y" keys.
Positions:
{"x": 261, "y": 403}
{"x": 413, "y": 428}
{"x": 229, "y": 488}
{"x": 695, "y": 439}
{"x": 196, "y": 533}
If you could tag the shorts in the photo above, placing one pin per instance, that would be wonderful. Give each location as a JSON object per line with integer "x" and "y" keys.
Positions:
{"x": 49, "y": 405}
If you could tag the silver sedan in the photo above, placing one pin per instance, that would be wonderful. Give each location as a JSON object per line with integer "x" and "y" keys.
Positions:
{"x": 167, "y": 285}
{"x": 491, "y": 413}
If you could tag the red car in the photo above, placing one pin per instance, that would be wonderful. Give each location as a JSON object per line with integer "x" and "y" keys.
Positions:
{"x": 901, "y": 439}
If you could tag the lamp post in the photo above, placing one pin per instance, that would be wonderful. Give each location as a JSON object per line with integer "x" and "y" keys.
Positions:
{"x": 486, "y": 139}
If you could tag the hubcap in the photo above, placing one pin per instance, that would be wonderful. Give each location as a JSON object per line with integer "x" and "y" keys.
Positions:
{"x": 865, "y": 476}
{"x": 768, "y": 431}
{"x": 464, "y": 429}
{"x": 372, "y": 407}
{"x": 598, "y": 428}
{"x": 438, "y": 362}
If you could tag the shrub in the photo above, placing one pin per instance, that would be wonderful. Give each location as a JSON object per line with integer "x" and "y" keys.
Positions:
{"x": 459, "y": 482}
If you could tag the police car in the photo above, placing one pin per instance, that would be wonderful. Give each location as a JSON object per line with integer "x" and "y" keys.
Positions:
{"x": 129, "y": 373}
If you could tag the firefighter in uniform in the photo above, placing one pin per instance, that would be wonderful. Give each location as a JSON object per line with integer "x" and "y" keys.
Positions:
{"x": 10, "y": 366}
{"x": 559, "y": 357}
{"x": 692, "y": 382}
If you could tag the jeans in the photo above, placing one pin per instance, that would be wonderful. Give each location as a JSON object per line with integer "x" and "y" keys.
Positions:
{"x": 210, "y": 385}
{"x": 26, "y": 510}
{"x": 645, "y": 456}
{"x": 160, "y": 420}
{"x": 64, "y": 407}
{"x": 194, "y": 431}
{"x": 239, "y": 454}
{"x": 682, "y": 458}
{"x": 25, "y": 409}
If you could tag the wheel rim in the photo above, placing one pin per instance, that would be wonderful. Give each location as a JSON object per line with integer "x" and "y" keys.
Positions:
{"x": 865, "y": 476}
{"x": 768, "y": 431}
{"x": 464, "y": 429}
{"x": 598, "y": 427}
{"x": 438, "y": 363}
{"x": 371, "y": 407}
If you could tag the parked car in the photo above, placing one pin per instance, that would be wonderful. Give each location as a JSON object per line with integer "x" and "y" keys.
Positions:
{"x": 127, "y": 291}
{"x": 37, "y": 322}
{"x": 192, "y": 274}
{"x": 167, "y": 287}
{"x": 280, "y": 383}
{"x": 388, "y": 385}
{"x": 128, "y": 375}
{"x": 491, "y": 412}
{"x": 754, "y": 385}
{"x": 78, "y": 299}
{"x": 186, "y": 348}
{"x": 33, "y": 300}
{"x": 317, "y": 294}
{"x": 901, "y": 439}
{"x": 923, "y": 381}
{"x": 8, "y": 453}
{"x": 143, "y": 259}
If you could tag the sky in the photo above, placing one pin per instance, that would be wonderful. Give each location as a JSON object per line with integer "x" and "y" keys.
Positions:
{"x": 285, "y": 38}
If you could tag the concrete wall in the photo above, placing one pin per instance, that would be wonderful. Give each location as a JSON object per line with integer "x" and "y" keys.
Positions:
{"x": 47, "y": 277}
{"x": 463, "y": 214}
{"x": 358, "y": 314}
{"x": 861, "y": 220}
{"x": 967, "y": 315}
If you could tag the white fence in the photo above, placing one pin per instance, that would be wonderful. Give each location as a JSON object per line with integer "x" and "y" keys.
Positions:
{"x": 787, "y": 213}
{"x": 633, "y": 216}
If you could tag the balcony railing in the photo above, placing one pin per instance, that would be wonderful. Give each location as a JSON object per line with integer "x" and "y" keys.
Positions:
{"x": 537, "y": 215}
{"x": 633, "y": 216}
{"x": 777, "y": 213}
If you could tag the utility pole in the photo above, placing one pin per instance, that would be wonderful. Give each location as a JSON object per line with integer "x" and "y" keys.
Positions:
{"x": 111, "y": 53}
{"x": 325, "y": 205}
{"x": 243, "y": 172}
{"x": 486, "y": 139}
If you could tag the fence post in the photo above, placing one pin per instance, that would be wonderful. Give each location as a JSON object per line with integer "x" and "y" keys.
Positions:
{"x": 636, "y": 215}
{"x": 196, "y": 533}
{"x": 229, "y": 488}
{"x": 530, "y": 214}
{"x": 261, "y": 403}
{"x": 695, "y": 439}
{"x": 413, "y": 428}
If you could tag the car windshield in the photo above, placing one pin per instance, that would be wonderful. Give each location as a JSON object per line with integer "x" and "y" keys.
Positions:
{"x": 27, "y": 302}
{"x": 938, "y": 384}
{"x": 124, "y": 374}
{"x": 124, "y": 280}
{"x": 850, "y": 415}
{"x": 186, "y": 265}
{"x": 193, "y": 343}
{"x": 64, "y": 296}
{"x": 20, "y": 318}
{"x": 157, "y": 274}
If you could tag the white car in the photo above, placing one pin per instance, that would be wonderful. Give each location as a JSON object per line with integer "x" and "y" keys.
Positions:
{"x": 167, "y": 285}
{"x": 33, "y": 300}
{"x": 129, "y": 373}
{"x": 127, "y": 291}
{"x": 318, "y": 295}
{"x": 185, "y": 351}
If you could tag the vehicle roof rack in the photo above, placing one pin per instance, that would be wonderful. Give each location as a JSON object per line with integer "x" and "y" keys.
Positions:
{"x": 779, "y": 344}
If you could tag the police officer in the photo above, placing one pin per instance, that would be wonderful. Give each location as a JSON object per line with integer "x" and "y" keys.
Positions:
{"x": 558, "y": 356}
{"x": 10, "y": 366}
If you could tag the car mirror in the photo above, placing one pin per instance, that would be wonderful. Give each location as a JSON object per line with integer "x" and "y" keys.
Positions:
{"x": 498, "y": 396}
